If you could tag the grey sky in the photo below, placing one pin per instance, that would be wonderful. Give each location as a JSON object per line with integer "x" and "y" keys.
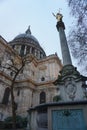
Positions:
{"x": 17, "y": 15}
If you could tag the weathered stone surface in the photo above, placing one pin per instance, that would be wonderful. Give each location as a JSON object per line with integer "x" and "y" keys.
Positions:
{"x": 29, "y": 83}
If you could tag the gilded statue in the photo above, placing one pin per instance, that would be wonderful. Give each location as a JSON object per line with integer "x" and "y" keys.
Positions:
{"x": 58, "y": 16}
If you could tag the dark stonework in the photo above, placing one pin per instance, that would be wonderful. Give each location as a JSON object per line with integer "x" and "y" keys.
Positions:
{"x": 5, "y": 99}
{"x": 68, "y": 71}
{"x": 60, "y": 24}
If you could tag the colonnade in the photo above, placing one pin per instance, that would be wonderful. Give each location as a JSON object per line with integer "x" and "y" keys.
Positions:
{"x": 24, "y": 49}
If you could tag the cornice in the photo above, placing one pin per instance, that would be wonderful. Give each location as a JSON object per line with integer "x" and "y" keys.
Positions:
{"x": 8, "y": 47}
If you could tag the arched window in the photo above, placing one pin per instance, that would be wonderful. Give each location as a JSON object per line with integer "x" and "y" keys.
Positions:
{"x": 6, "y": 96}
{"x": 42, "y": 97}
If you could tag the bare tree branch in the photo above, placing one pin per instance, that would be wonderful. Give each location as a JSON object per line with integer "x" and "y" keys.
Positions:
{"x": 77, "y": 38}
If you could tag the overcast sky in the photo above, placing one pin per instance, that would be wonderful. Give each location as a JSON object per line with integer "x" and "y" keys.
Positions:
{"x": 17, "y": 15}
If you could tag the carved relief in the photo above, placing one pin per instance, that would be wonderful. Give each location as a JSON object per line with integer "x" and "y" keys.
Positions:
{"x": 84, "y": 87}
{"x": 70, "y": 88}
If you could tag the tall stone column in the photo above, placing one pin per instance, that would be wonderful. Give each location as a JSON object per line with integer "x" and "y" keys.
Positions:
{"x": 63, "y": 41}
{"x": 25, "y": 50}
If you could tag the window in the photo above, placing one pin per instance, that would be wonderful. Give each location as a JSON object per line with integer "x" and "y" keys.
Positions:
{"x": 18, "y": 92}
{"x": 13, "y": 46}
{"x": 42, "y": 97}
{"x": 11, "y": 74}
{"x": 0, "y": 62}
{"x": 28, "y": 50}
{"x": 6, "y": 96}
{"x": 42, "y": 79}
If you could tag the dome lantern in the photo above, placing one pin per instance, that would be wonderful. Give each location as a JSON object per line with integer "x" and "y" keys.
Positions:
{"x": 28, "y": 31}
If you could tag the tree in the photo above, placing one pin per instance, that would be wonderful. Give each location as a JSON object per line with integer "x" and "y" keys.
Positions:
{"x": 15, "y": 67}
{"x": 77, "y": 38}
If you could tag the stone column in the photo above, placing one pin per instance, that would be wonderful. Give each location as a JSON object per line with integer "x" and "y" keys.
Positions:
{"x": 63, "y": 41}
{"x": 41, "y": 55}
{"x": 35, "y": 52}
{"x": 38, "y": 54}
{"x": 30, "y": 50}
{"x": 25, "y": 50}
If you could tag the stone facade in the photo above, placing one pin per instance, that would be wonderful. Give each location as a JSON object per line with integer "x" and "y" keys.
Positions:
{"x": 69, "y": 104}
{"x": 44, "y": 89}
{"x": 37, "y": 76}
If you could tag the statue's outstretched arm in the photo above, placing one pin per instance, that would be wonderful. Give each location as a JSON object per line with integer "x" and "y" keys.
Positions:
{"x": 54, "y": 15}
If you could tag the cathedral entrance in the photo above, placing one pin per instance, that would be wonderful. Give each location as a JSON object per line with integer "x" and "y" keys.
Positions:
{"x": 68, "y": 119}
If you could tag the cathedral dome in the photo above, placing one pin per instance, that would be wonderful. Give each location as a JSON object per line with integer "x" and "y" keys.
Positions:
{"x": 26, "y": 43}
{"x": 27, "y": 35}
